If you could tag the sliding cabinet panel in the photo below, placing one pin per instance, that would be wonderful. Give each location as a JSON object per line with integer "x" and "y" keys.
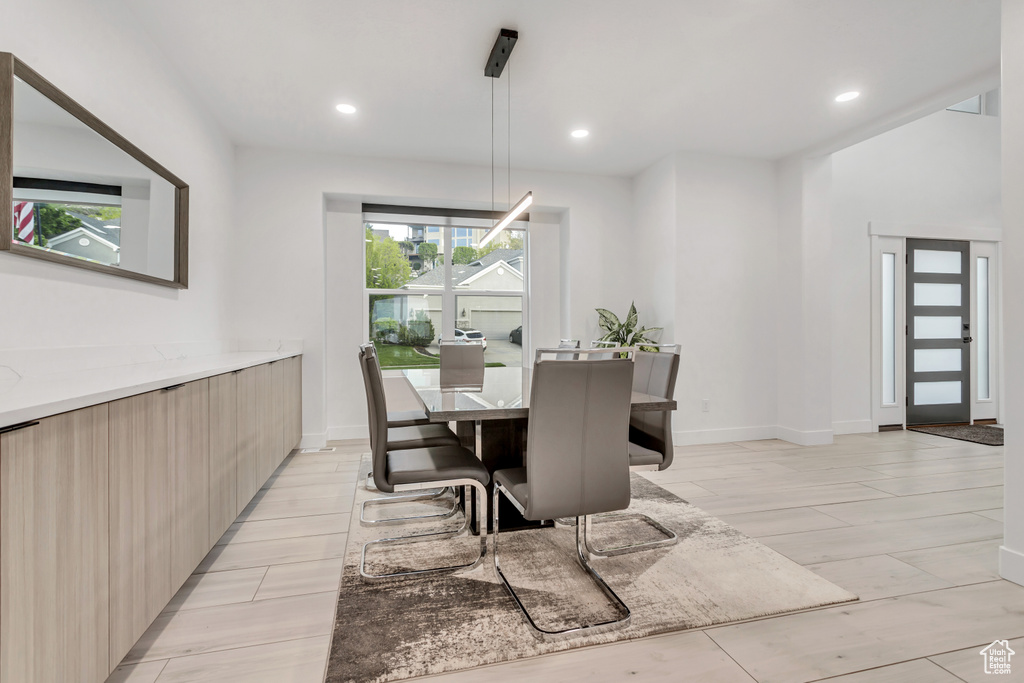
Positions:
{"x": 246, "y": 419}
{"x": 295, "y": 403}
{"x": 140, "y": 516}
{"x": 53, "y": 550}
{"x": 223, "y": 454}
{"x": 279, "y": 377}
{"x": 190, "y": 478}
{"x": 266, "y": 436}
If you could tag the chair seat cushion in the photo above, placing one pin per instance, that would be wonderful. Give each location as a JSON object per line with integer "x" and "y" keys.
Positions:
{"x": 420, "y": 436}
{"x": 514, "y": 481}
{"x": 407, "y": 418}
{"x": 439, "y": 463}
{"x": 638, "y": 455}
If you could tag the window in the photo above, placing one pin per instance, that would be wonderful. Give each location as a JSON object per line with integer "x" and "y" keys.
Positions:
{"x": 428, "y": 282}
{"x": 888, "y": 329}
{"x": 984, "y": 390}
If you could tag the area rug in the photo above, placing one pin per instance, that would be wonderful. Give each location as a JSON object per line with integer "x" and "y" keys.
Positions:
{"x": 983, "y": 434}
{"x": 405, "y": 628}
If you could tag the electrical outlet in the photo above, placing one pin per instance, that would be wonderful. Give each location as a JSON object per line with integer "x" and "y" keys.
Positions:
{"x": 705, "y": 405}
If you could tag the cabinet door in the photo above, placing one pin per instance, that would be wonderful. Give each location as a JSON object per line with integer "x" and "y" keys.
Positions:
{"x": 266, "y": 438}
{"x": 246, "y": 419}
{"x": 223, "y": 454}
{"x": 295, "y": 403}
{"x": 140, "y": 516}
{"x": 190, "y": 478}
{"x": 53, "y": 549}
{"x": 281, "y": 391}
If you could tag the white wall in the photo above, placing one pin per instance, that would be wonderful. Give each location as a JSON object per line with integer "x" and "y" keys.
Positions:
{"x": 283, "y": 265}
{"x": 941, "y": 170}
{"x": 726, "y": 297}
{"x": 1011, "y": 557}
{"x": 705, "y": 231}
{"x": 118, "y": 76}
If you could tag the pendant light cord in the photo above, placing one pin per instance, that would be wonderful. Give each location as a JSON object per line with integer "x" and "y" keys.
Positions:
{"x": 508, "y": 136}
{"x": 492, "y": 144}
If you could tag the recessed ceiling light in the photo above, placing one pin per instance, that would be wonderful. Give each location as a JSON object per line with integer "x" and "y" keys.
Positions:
{"x": 847, "y": 96}
{"x": 581, "y": 133}
{"x": 346, "y": 109}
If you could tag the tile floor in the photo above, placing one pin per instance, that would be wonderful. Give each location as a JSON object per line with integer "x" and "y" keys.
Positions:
{"x": 910, "y": 522}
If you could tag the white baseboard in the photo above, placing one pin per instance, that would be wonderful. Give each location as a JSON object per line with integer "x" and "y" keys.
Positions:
{"x": 1011, "y": 565}
{"x": 852, "y": 427}
{"x": 347, "y": 432}
{"x": 313, "y": 440}
{"x": 703, "y": 436}
{"x": 821, "y": 437}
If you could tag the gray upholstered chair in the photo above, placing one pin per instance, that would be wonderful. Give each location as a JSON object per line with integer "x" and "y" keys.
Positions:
{"x": 411, "y": 436}
{"x": 568, "y": 344}
{"x": 462, "y": 365}
{"x": 579, "y": 430}
{"x": 415, "y": 469}
{"x": 650, "y": 438}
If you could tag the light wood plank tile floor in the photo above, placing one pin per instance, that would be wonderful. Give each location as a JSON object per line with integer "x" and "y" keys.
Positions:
{"x": 910, "y": 522}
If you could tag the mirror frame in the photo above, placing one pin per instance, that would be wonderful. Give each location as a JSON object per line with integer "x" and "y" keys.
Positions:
{"x": 11, "y": 66}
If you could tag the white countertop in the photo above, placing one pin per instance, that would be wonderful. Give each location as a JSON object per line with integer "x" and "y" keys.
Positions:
{"x": 24, "y": 398}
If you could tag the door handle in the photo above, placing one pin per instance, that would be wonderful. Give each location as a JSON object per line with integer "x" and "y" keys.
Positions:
{"x": 968, "y": 340}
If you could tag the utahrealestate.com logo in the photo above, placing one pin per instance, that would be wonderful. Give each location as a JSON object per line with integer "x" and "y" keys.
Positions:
{"x": 997, "y": 657}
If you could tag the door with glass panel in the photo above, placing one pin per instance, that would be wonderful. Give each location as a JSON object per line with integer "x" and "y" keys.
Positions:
{"x": 938, "y": 332}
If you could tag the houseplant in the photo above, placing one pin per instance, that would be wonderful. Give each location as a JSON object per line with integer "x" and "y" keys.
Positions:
{"x": 625, "y": 333}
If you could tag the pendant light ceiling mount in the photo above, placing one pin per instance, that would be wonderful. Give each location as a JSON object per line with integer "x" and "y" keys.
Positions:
{"x": 494, "y": 67}
{"x": 500, "y": 53}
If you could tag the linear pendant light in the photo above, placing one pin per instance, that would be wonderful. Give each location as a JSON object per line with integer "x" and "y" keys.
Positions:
{"x": 512, "y": 214}
{"x": 496, "y": 61}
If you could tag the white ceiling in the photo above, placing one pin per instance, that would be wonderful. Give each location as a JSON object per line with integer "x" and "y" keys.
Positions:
{"x": 647, "y": 77}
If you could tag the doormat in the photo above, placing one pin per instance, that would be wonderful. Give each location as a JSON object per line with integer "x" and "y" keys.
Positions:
{"x": 433, "y": 624}
{"x": 983, "y": 434}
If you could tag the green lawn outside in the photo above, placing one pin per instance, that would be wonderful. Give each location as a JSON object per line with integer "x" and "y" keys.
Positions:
{"x": 394, "y": 357}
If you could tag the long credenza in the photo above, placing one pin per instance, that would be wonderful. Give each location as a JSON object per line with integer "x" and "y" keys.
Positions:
{"x": 105, "y": 511}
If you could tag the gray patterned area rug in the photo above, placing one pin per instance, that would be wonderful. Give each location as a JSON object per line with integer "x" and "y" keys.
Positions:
{"x": 983, "y": 434}
{"x": 427, "y": 625}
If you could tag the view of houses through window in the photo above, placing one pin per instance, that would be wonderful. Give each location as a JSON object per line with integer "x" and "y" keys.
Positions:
{"x": 425, "y": 283}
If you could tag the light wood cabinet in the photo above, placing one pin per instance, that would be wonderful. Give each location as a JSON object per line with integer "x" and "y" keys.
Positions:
{"x": 141, "y": 516}
{"x": 293, "y": 404}
{"x": 246, "y": 433}
{"x": 224, "y": 454}
{"x": 266, "y": 425}
{"x": 189, "y": 418}
{"x": 106, "y": 511}
{"x": 53, "y": 549}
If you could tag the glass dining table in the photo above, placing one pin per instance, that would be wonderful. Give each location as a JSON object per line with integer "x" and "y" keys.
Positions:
{"x": 491, "y": 409}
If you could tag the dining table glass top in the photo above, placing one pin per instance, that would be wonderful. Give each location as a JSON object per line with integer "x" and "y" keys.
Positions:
{"x": 493, "y": 393}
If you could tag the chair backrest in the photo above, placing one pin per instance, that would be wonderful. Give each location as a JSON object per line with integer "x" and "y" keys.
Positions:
{"x": 655, "y": 374}
{"x": 378, "y": 414}
{"x": 596, "y": 344}
{"x": 461, "y": 356}
{"x": 577, "y": 442}
{"x": 568, "y": 344}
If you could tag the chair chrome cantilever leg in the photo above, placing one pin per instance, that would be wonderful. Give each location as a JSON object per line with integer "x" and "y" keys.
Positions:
{"x": 481, "y": 495}
{"x": 581, "y": 557}
{"x": 429, "y": 494}
{"x": 671, "y": 538}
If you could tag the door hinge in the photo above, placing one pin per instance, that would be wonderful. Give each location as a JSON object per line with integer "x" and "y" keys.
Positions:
{"x": 906, "y": 259}
{"x": 906, "y": 401}
{"x": 906, "y": 330}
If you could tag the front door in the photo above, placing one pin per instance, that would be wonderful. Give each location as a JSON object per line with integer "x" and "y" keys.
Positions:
{"x": 938, "y": 332}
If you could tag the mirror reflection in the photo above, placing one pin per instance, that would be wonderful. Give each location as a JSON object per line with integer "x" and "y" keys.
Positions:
{"x": 77, "y": 194}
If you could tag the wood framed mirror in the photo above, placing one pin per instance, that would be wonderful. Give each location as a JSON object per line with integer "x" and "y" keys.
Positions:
{"x": 79, "y": 193}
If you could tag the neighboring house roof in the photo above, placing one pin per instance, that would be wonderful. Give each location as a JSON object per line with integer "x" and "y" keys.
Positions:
{"x": 78, "y": 233}
{"x": 465, "y": 273}
{"x": 108, "y": 230}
